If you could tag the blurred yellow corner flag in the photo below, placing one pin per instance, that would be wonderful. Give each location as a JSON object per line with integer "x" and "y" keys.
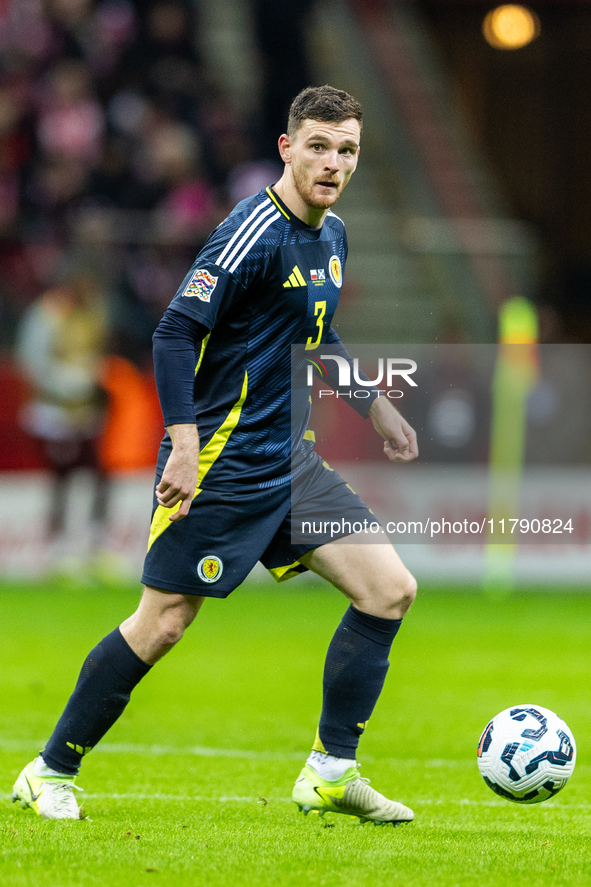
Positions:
{"x": 516, "y": 375}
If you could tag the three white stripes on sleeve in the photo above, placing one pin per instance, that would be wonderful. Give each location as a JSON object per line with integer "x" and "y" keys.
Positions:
{"x": 248, "y": 233}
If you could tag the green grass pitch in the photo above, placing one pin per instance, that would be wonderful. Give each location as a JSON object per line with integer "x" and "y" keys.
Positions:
{"x": 192, "y": 786}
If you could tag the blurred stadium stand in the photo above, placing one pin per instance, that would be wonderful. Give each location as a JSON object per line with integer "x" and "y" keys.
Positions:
{"x": 128, "y": 129}
{"x": 436, "y": 250}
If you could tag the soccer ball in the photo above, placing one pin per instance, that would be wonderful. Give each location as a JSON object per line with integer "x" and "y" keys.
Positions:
{"x": 526, "y": 754}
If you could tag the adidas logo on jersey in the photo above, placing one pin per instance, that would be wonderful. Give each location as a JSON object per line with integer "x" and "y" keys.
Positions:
{"x": 295, "y": 279}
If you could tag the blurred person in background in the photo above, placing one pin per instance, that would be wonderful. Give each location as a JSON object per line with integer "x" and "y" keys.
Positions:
{"x": 70, "y": 121}
{"x": 60, "y": 346}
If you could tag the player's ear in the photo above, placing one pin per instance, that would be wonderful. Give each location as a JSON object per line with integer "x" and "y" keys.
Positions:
{"x": 285, "y": 147}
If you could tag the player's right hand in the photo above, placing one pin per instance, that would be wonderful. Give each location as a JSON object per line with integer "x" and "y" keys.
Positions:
{"x": 181, "y": 473}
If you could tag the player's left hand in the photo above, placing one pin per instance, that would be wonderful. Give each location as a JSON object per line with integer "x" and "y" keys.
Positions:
{"x": 400, "y": 439}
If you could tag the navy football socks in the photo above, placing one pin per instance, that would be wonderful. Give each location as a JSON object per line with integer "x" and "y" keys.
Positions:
{"x": 109, "y": 674}
{"x": 354, "y": 674}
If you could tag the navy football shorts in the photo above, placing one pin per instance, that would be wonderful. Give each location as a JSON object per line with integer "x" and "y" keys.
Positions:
{"x": 213, "y": 549}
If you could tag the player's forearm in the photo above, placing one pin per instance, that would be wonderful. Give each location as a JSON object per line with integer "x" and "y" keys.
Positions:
{"x": 175, "y": 342}
{"x": 381, "y": 408}
{"x": 383, "y": 414}
{"x": 184, "y": 437}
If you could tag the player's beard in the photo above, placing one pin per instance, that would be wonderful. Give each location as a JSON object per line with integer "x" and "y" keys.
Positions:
{"x": 305, "y": 189}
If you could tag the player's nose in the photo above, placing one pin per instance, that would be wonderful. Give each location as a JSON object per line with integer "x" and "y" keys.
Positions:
{"x": 332, "y": 160}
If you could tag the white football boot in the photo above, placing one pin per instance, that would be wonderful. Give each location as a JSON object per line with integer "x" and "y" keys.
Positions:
{"x": 351, "y": 795}
{"x": 51, "y": 797}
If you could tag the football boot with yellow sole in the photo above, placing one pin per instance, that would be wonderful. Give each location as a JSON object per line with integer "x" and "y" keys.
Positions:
{"x": 351, "y": 795}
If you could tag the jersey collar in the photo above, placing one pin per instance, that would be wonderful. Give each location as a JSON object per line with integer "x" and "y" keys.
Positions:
{"x": 307, "y": 230}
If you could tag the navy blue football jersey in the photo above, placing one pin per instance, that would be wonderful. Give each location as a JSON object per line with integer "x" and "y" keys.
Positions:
{"x": 263, "y": 281}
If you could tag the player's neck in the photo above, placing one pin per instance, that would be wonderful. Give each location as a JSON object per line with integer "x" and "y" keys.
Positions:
{"x": 288, "y": 193}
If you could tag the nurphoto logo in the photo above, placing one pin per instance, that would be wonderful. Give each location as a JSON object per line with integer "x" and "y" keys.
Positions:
{"x": 391, "y": 368}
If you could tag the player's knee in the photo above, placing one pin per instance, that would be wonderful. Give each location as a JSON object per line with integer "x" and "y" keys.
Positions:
{"x": 406, "y": 591}
{"x": 171, "y": 628}
{"x": 400, "y": 594}
{"x": 392, "y": 598}
{"x": 172, "y": 624}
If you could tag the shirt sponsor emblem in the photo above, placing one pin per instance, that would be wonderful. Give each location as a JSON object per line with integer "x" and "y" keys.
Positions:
{"x": 202, "y": 285}
{"x": 334, "y": 268}
{"x": 210, "y": 568}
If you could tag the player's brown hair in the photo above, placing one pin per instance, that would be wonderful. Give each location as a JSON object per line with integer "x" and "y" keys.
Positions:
{"x": 323, "y": 103}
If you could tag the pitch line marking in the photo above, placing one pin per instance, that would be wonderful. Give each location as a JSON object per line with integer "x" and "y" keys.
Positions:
{"x": 12, "y": 745}
{"x": 228, "y": 799}
{"x": 26, "y": 745}
{"x": 161, "y": 796}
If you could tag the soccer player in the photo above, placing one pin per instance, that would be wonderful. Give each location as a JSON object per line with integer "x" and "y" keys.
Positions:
{"x": 223, "y": 498}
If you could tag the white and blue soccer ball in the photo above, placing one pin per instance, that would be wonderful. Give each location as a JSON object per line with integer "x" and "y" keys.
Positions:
{"x": 526, "y": 754}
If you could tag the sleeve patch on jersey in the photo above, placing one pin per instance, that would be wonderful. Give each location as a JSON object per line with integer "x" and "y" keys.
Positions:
{"x": 202, "y": 285}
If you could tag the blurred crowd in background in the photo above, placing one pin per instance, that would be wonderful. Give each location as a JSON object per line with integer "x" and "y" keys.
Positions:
{"x": 111, "y": 132}
{"x": 118, "y": 155}
{"x": 119, "y": 152}
{"x": 121, "y": 149}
